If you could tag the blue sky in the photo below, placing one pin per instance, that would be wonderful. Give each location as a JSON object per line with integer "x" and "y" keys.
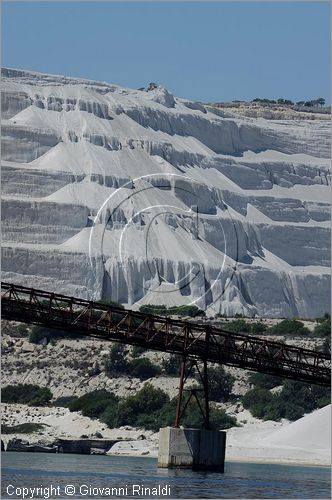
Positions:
{"x": 204, "y": 51}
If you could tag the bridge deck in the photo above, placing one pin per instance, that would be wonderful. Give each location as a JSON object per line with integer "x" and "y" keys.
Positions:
{"x": 186, "y": 338}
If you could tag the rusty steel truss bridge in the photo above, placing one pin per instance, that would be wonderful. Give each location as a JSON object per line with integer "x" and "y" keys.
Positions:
{"x": 190, "y": 340}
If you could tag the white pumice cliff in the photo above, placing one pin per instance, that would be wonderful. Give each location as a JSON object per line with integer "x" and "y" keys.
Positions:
{"x": 142, "y": 197}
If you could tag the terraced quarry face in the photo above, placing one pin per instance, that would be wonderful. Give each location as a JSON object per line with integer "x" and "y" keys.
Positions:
{"x": 142, "y": 197}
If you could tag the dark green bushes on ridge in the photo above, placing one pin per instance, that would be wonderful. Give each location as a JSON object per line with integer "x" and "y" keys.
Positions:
{"x": 27, "y": 428}
{"x": 33, "y": 395}
{"x": 289, "y": 327}
{"x": 163, "y": 310}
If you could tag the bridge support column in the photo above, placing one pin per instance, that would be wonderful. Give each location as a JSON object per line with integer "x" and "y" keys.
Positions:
{"x": 197, "y": 449}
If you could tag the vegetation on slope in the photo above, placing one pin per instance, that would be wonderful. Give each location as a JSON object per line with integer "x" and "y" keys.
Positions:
{"x": 149, "y": 408}
{"x": 117, "y": 364}
{"x": 27, "y": 428}
{"x": 291, "y": 402}
{"x": 29, "y": 394}
{"x": 289, "y": 327}
{"x": 163, "y": 310}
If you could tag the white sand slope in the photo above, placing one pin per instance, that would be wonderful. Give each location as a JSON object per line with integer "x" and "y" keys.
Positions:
{"x": 312, "y": 432}
{"x": 306, "y": 441}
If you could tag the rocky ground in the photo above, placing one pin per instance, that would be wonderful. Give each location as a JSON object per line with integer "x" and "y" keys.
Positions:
{"x": 271, "y": 112}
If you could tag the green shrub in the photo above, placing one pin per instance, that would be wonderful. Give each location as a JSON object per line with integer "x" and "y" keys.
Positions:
{"x": 241, "y": 326}
{"x": 163, "y": 310}
{"x": 308, "y": 396}
{"x": 220, "y": 384}
{"x": 258, "y": 327}
{"x": 137, "y": 351}
{"x": 27, "y": 428}
{"x": 33, "y": 395}
{"x": 143, "y": 369}
{"x": 172, "y": 365}
{"x": 323, "y": 318}
{"x": 237, "y": 326}
{"x": 147, "y": 402}
{"x": 63, "y": 401}
{"x": 110, "y": 416}
{"x": 288, "y": 327}
{"x": 193, "y": 417}
{"x": 22, "y": 329}
{"x": 220, "y": 420}
{"x": 93, "y": 404}
{"x": 323, "y": 329}
{"x": 191, "y": 311}
{"x": 154, "y": 309}
{"x": 38, "y": 333}
{"x": 116, "y": 364}
{"x": 116, "y": 316}
{"x": 264, "y": 381}
{"x": 149, "y": 408}
{"x": 258, "y": 401}
{"x": 294, "y": 400}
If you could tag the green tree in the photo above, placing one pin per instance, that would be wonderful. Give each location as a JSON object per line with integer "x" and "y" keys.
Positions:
{"x": 143, "y": 368}
{"x": 37, "y": 333}
{"x": 172, "y": 365}
{"x": 295, "y": 399}
{"x": 220, "y": 384}
{"x": 320, "y": 101}
{"x": 147, "y": 401}
{"x": 117, "y": 364}
{"x": 264, "y": 381}
{"x": 258, "y": 401}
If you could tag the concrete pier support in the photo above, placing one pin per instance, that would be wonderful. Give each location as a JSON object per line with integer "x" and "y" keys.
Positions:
{"x": 197, "y": 449}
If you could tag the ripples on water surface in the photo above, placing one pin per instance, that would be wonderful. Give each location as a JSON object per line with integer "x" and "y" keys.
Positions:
{"x": 239, "y": 480}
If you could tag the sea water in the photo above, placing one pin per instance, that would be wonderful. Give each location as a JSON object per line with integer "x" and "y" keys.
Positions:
{"x": 39, "y": 475}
